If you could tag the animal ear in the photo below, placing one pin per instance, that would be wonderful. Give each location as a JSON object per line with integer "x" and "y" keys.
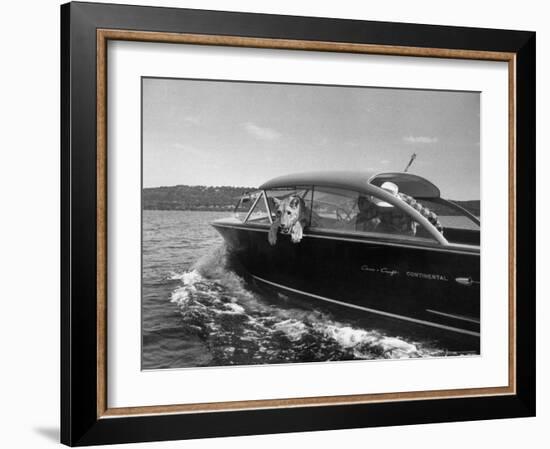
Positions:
{"x": 294, "y": 202}
{"x": 276, "y": 201}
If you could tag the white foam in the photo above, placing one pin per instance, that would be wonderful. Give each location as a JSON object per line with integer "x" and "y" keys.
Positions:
{"x": 395, "y": 344}
{"x": 293, "y": 329}
{"x": 209, "y": 283}
{"x": 347, "y": 336}
{"x": 187, "y": 277}
{"x": 181, "y": 295}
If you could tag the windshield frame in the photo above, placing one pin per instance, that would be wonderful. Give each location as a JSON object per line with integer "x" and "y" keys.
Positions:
{"x": 379, "y": 193}
{"x": 262, "y": 194}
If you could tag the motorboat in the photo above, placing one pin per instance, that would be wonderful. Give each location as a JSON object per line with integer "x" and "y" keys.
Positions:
{"x": 425, "y": 270}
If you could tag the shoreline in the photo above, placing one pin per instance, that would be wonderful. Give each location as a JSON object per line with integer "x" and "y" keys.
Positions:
{"x": 212, "y": 209}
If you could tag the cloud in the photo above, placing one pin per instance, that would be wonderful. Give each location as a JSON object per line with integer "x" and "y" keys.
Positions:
{"x": 420, "y": 139}
{"x": 191, "y": 120}
{"x": 261, "y": 132}
{"x": 188, "y": 149}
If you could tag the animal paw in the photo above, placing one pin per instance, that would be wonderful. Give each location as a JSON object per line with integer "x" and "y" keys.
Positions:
{"x": 297, "y": 233}
{"x": 272, "y": 234}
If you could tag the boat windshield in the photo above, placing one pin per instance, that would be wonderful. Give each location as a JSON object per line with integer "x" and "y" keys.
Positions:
{"x": 259, "y": 212}
{"x": 460, "y": 219}
{"x": 350, "y": 211}
{"x": 454, "y": 217}
{"x": 252, "y": 208}
{"x": 245, "y": 204}
{"x": 353, "y": 212}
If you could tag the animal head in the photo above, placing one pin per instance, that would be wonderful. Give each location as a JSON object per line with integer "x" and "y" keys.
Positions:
{"x": 288, "y": 212}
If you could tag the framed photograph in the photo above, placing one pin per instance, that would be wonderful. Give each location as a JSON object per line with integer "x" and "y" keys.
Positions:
{"x": 280, "y": 224}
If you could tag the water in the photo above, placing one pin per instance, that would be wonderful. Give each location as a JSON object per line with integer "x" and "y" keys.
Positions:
{"x": 197, "y": 311}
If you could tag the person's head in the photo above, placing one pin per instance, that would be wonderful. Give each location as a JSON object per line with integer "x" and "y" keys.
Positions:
{"x": 364, "y": 203}
{"x": 389, "y": 187}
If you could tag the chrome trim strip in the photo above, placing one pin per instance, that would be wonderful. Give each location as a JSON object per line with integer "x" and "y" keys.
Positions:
{"x": 450, "y": 315}
{"x": 367, "y": 309}
{"x": 242, "y": 228}
{"x": 405, "y": 239}
{"x": 445, "y": 249}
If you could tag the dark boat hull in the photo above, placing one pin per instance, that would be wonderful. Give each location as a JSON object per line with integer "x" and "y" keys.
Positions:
{"x": 429, "y": 286}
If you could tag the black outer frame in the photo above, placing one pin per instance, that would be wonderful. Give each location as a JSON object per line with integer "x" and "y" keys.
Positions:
{"x": 79, "y": 422}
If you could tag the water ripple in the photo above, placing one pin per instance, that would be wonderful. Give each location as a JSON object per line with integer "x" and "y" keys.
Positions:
{"x": 240, "y": 326}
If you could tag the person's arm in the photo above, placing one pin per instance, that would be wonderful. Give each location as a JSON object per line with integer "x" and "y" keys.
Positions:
{"x": 427, "y": 213}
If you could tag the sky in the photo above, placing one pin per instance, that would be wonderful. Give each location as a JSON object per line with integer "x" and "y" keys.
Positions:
{"x": 201, "y": 132}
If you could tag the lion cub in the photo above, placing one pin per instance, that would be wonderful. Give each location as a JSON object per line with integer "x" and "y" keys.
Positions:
{"x": 290, "y": 218}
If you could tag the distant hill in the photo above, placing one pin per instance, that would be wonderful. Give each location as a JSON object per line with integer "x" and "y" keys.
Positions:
{"x": 184, "y": 197}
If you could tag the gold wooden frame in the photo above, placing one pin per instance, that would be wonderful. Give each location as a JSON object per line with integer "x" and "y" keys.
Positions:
{"x": 104, "y": 35}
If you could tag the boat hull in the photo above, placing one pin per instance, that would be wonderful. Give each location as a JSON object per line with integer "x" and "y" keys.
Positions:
{"x": 433, "y": 287}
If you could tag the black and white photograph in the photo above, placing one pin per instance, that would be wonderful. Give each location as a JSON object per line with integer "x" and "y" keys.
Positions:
{"x": 292, "y": 223}
{"x": 277, "y": 224}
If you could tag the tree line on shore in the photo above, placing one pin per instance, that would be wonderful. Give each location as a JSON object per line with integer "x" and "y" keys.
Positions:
{"x": 184, "y": 197}
{"x": 218, "y": 198}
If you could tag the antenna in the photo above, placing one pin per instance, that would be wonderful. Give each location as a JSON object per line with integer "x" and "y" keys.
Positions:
{"x": 413, "y": 157}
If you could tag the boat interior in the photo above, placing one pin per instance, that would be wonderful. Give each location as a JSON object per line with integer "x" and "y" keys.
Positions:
{"x": 350, "y": 211}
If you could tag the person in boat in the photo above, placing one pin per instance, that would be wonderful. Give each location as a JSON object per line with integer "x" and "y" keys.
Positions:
{"x": 367, "y": 219}
{"x": 376, "y": 215}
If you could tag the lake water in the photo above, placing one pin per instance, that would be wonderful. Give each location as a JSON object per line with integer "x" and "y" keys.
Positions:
{"x": 197, "y": 311}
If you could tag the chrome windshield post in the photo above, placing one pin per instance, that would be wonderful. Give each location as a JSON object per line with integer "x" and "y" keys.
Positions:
{"x": 251, "y": 209}
{"x": 264, "y": 195}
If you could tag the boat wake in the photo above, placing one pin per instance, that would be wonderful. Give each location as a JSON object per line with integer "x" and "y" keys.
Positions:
{"x": 242, "y": 326}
